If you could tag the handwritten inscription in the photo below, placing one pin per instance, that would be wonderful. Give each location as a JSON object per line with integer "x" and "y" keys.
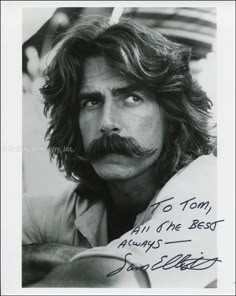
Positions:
{"x": 138, "y": 238}
{"x": 147, "y": 244}
{"x": 190, "y": 204}
{"x": 179, "y": 261}
{"x": 165, "y": 208}
{"x": 171, "y": 226}
{"x": 196, "y": 224}
{"x": 168, "y": 226}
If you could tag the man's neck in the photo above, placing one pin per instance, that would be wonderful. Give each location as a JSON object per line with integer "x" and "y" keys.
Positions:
{"x": 132, "y": 196}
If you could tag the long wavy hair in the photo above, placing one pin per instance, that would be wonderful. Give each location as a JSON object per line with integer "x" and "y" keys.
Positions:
{"x": 148, "y": 59}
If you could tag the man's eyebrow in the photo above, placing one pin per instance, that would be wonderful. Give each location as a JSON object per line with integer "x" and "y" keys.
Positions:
{"x": 90, "y": 95}
{"x": 124, "y": 90}
{"x": 85, "y": 95}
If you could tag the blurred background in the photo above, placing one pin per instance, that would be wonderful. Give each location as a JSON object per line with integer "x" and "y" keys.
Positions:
{"x": 195, "y": 27}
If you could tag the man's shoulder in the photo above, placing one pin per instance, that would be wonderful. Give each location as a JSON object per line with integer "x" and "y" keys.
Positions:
{"x": 45, "y": 209}
{"x": 200, "y": 170}
{"x": 202, "y": 167}
{"x": 50, "y": 200}
{"x": 207, "y": 162}
{"x": 196, "y": 179}
{"x": 43, "y": 215}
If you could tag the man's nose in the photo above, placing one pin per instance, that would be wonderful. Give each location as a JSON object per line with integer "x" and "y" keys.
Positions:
{"x": 109, "y": 120}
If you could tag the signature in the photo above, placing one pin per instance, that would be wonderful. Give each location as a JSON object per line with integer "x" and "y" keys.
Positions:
{"x": 180, "y": 261}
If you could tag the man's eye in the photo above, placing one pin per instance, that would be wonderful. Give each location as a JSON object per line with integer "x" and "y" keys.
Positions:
{"x": 89, "y": 104}
{"x": 133, "y": 100}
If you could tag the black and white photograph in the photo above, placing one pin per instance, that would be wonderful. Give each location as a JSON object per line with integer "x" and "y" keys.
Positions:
{"x": 123, "y": 159}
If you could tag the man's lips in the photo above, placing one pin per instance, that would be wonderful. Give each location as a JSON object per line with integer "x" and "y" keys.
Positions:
{"x": 113, "y": 158}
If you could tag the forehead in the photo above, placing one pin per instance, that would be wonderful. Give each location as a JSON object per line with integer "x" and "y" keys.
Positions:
{"x": 97, "y": 74}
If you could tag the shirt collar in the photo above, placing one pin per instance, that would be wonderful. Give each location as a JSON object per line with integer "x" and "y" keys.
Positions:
{"x": 89, "y": 221}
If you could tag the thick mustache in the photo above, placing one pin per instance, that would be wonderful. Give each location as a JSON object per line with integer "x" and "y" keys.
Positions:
{"x": 114, "y": 143}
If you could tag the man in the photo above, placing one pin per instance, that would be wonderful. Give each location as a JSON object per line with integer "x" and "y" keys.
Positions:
{"x": 122, "y": 102}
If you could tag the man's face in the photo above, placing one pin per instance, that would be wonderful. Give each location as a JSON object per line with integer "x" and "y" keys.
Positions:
{"x": 109, "y": 104}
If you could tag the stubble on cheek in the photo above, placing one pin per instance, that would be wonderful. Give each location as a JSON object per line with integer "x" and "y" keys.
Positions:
{"x": 85, "y": 132}
{"x": 150, "y": 133}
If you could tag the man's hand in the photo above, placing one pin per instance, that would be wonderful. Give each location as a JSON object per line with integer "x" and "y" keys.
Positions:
{"x": 39, "y": 260}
